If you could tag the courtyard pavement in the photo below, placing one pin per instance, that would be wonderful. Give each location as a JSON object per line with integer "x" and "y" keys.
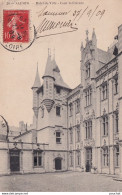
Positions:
{"x": 59, "y": 182}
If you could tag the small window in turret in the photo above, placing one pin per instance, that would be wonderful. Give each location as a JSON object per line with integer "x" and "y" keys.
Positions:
{"x": 58, "y": 90}
{"x": 42, "y": 113}
{"x": 58, "y": 112}
{"x": 46, "y": 84}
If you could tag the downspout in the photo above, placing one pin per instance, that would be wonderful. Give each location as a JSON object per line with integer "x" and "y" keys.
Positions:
{"x": 113, "y": 124}
{"x": 67, "y": 137}
{"x": 108, "y": 123}
{"x": 100, "y": 133}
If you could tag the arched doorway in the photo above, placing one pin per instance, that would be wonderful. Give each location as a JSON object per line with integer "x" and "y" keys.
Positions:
{"x": 14, "y": 160}
{"x": 58, "y": 163}
{"x": 88, "y": 159}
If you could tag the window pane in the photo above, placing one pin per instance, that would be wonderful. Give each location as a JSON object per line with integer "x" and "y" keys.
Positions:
{"x": 58, "y": 140}
{"x": 40, "y": 160}
{"x": 35, "y": 160}
{"x": 58, "y": 110}
{"x": 57, "y": 134}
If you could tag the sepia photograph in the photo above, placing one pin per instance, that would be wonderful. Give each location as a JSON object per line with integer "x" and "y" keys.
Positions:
{"x": 60, "y": 96}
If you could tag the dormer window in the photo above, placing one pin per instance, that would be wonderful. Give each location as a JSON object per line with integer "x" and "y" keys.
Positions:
{"x": 87, "y": 70}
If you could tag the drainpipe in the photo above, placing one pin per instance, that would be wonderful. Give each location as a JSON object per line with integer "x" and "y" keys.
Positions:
{"x": 67, "y": 137}
{"x": 75, "y": 136}
{"x": 108, "y": 123}
{"x": 100, "y": 132}
{"x": 113, "y": 124}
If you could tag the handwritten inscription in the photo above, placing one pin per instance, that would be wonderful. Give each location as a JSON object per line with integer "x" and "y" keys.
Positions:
{"x": 19, "y": 32}
{"x": 68, "y": 20}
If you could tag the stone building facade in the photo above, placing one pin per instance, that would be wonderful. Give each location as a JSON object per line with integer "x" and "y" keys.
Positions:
{"x": 75, "y": 129}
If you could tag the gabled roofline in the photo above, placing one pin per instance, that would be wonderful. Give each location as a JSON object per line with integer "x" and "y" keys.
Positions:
{"x": 63, "y": 87}
{"x": 23, "y": 134}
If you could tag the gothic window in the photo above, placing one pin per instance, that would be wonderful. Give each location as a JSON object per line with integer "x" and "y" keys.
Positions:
{"x": 70, "y": 109}
{"x": 78, "y": 133}
{"x": 88, "y": 96}
{"x": 78, "y": 158}
{"x": 77, "y": 105}
{"x": 58, "y": 110}
{"x": 87, "y": 70}
{"x": 71, "y": 136}
{"x": 88, "y": 128}
{"x": 105, "y": 125}
{"x": 116, "y": 121}
{"x": 37, "y": 158}
{"x": 104, "y": 91}
{"x": 105, "y": 157}
{"x": 117, "y": 156}
{"x": 116, "y": 85}
{"x": 71, "y": 159}
{"x": 58, "y": 137}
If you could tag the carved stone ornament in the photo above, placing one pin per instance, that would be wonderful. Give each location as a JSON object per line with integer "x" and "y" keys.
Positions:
{"x": 89, "y": 143}
{"x": 104, "y": 142}
{"x": 117, "y": 106}
{"x": 104, "y": 111}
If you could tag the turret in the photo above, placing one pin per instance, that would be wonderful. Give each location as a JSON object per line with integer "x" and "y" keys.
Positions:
{"x": 35, "y": 87}
{"x": 48, "y": 84}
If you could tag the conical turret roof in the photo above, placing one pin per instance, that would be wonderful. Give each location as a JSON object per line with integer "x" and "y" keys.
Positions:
{"x": 37, "y": 82}
{"x": 52, "y": 70}
{"x": 49, "y": 67}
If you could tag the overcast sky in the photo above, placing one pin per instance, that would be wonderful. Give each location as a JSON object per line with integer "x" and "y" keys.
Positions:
{"x": 17, "y": 70}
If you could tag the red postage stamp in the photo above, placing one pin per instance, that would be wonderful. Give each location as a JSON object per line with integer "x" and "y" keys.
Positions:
{"x": 15, "y": 26}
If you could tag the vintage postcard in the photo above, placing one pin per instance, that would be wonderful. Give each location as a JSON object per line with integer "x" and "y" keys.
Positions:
{"x": 61, "y": 96}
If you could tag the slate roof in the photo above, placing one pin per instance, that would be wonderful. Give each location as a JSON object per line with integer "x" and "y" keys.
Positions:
{"x": 53, "y": 71}
{"x": 103, "y": 56}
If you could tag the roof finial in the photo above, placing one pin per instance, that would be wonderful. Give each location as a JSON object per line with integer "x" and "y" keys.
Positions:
{"x": 37, "y": 82}
{"x": 87, "y": 32}
{"x": 49, "y": 52}
{"x": 54, "y": 53}
{"x": 81, "y": 46}
{"x": 93, "y": 33}
{"x": 94, "y": 39}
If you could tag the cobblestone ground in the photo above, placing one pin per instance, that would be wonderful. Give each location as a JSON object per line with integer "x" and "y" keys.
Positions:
{"x": 60, "y": 182}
